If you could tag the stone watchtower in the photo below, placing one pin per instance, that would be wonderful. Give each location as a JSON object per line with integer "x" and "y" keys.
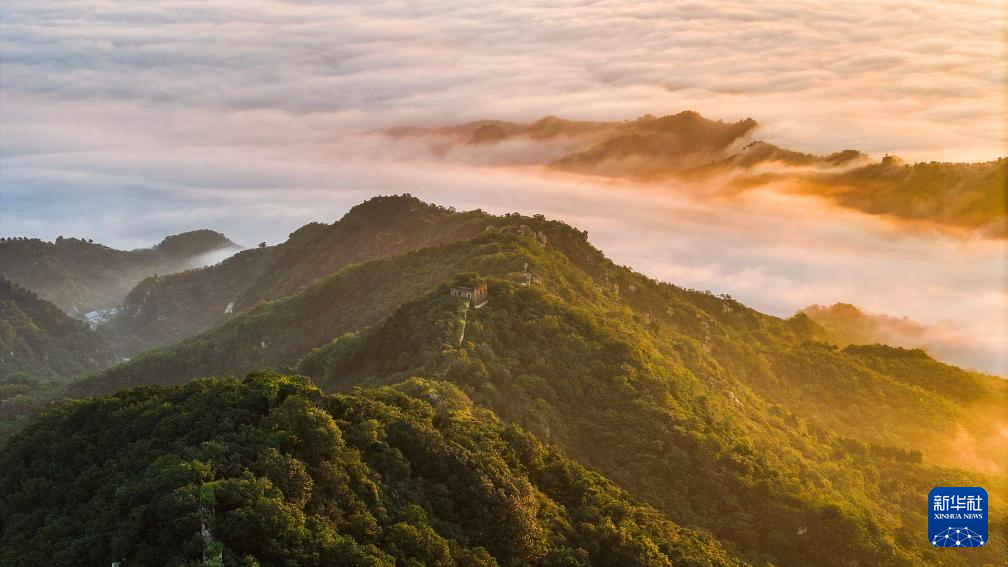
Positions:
{"x": 472, "y": 288}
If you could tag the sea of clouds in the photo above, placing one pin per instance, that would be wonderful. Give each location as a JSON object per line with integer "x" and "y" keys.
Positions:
{"x": 124, "y": 121}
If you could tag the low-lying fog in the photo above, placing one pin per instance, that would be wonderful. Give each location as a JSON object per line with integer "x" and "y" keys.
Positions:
{"x": 125, "y": 124}
{"x": 773, "y": 251}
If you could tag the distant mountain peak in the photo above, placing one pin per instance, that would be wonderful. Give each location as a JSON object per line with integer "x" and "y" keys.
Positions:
{"x": 80, "y": 275}
{"x": 688, "y": 147}
{"x": 195, "y": 242}
{"x": 846, "y": 324}
{"x": 892, "y": 161}
{"x": 395, "y": 204}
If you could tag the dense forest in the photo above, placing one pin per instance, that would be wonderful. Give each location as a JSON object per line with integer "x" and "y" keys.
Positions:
{"x": 80, "y": 275}
{"x": 39, "y": 341}
{"x": 601, "y": 395}
{"x": 41, "y": 348}
{"x": 270, "y": 471}
{"x": 757, "y": 430}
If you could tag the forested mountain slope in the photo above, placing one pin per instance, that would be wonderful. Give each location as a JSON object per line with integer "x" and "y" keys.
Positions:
{"x": 168, "y": 309}
{"x": 781, "y": 360}
{"x": 39, "y": 341}
{"x": 276, "y": 334}
{"x": 973, "y": 195}
{"x": 770, "y": 435}
{"x": 270, "y": 471}
{"x": 41, "y": 348}
{"x": 79, "y": 276}
{"x": 688, "y": 437}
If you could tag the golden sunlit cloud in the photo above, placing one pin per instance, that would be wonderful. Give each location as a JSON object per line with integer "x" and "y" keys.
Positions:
{"x": 126, "y": 123}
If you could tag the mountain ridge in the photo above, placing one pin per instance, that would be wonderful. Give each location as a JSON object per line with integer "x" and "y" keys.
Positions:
{"x": 704, "y": 370}
{"x": 275, "y": 334}
{"x": 38, "y": 341}
{"x": 846, "y": 324}
{"x": 164, "y": 310}
{"x": 699, "y": 152}
{"x": 80, "y": 275}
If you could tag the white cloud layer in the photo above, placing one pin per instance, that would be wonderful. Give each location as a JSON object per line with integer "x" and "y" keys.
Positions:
{"x": 125, "y": 121}
{"x": 924, "y": 80}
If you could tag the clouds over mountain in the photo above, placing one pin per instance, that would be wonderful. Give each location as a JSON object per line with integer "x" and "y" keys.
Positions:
{"x": 174, "y": 103}
{"x": 125, "y": 122}
{"x": 893, "y": 76}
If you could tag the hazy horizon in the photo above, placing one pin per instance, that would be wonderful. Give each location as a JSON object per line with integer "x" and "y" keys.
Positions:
{"x": 124, "y": 124}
